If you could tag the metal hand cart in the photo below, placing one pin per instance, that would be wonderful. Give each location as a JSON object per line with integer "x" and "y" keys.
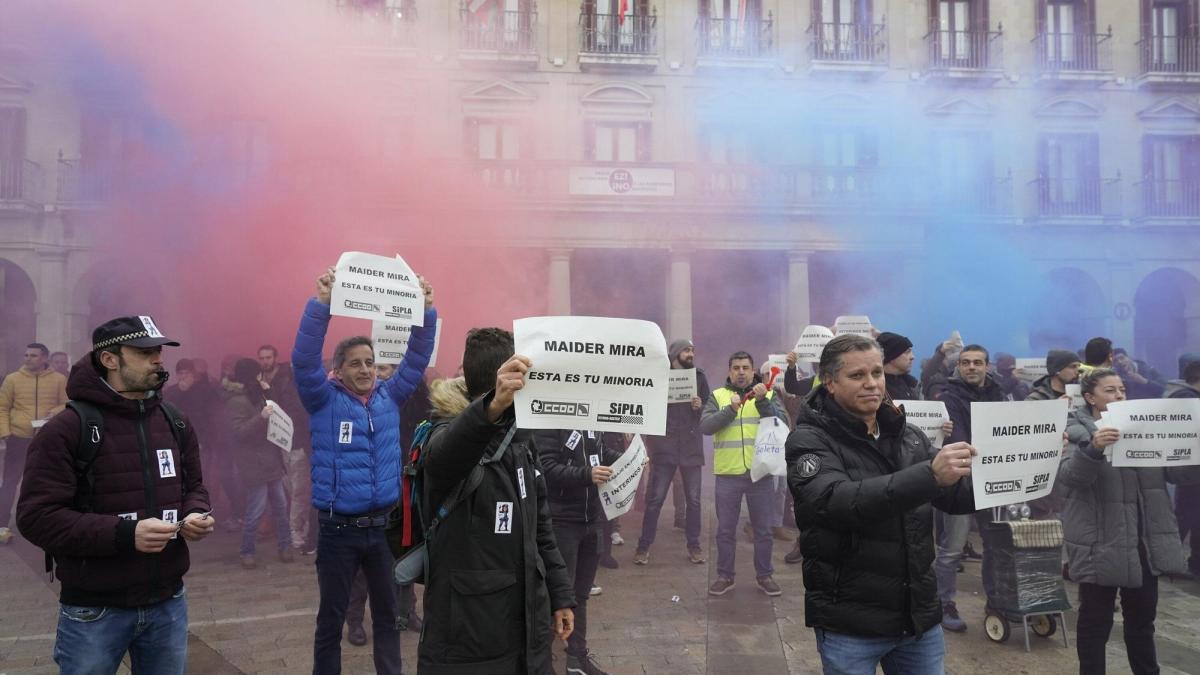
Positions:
{"x": 1027, "y": 574}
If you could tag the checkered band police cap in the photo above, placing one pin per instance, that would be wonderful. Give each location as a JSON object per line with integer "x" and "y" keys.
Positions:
{"x": 135, "y": 331}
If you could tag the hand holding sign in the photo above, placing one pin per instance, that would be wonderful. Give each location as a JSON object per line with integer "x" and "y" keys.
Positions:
{"x": 509, "y": 379}
{"x": 426, "y": 290}
{"x": 1105, "y": 437}
{"x": 325, "y": 286}
{"x": 952, "y": 463}
{"x": 601, "y": 474}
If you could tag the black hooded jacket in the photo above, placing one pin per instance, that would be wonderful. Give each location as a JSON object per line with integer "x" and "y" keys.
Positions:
{"x": 566, "y": 459}
{"x": 863, "y": 507}
{"x": 903, "y": 387}
{"x": 495, "y": 573}
{"x": 958, "y": 397}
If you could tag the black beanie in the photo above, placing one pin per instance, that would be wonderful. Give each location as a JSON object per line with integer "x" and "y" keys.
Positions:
{"x": 1057, "y": 359}
{"x": 893, "y": 345}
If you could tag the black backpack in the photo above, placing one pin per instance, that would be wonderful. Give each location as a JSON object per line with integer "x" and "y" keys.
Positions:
{"x": 91, "y": 435}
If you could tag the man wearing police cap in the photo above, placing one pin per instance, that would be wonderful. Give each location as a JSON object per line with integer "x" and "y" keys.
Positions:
{"x": 118, "y": 537}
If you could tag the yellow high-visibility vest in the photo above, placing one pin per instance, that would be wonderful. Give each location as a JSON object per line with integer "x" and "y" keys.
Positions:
{"x": 733, "y": 446}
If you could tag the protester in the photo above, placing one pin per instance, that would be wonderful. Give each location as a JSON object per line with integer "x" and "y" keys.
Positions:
{"x": 1187, "y": 497}
{"x": 1097, "y": 353}
{"x": 792, "y": 383}
{"x": 680, "y": 452}
{"x": 32, "y": 393}
{"x": 496, "y": 584}
{"x": 863, "y": 481}
{"x": 118, "y": 534}
{"x": 897, "y": 367}
{"x": 1141, "y": 381}
{"x": 414, "y": 411}
{"x": 575, "y": 463}
{"x": 1062, "y": 368}
{"x": 60, "y": 363}
{"x": 355, "y": 428}
{"x": 973, "y": 384}
{"x": 938, "y": 369}
{"x": 279, "y": 385}
{"x": 226, "y": 469}
{"x": 259, "y": 462}
{"x": 1014, "y": 389}
{"x": 1119, "y": 532}
{"x": 733, "y": 424}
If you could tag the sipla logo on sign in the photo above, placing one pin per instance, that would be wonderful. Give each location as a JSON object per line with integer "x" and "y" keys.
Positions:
{"x": 623, "y": 413}
{"x": 560, "y": 408}
{"x": 999, "y": 487}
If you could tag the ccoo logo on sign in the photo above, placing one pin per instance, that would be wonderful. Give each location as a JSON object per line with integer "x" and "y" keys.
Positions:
{"x": 1000, "y": 487}
{"x": 561, "y": 408}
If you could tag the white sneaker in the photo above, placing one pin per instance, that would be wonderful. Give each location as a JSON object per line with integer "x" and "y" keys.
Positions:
{"x": 5, "y": 535}
{"x": 617, "y": 540}
{"x": 596, "y": 590}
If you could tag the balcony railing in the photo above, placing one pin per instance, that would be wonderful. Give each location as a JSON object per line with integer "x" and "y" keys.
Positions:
{"x": 1163, "y": 198}
{"x": 983, "y": 195}
{"x": 20, "y": 181}
{"x": 965, "y": 49}
{"x": 735, "y": 38}
{"x": 614, "y": 34}
{"x": 1087, "y": 52}
{"x": 1170, "y": 54}
{"x": 849, "y": 43}
{"x": 510, "y": 31}
{"x": 380, "y": 23}
{"x": 1073, "y": 197}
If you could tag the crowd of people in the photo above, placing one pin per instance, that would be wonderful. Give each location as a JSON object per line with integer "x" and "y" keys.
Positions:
{"x": 876, "y": 515}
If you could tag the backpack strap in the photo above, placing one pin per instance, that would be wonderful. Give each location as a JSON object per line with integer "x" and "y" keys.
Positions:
{"x": 469, "y": 484}
{"x": 83, "y": 456}
{"x": 182, "y": 434}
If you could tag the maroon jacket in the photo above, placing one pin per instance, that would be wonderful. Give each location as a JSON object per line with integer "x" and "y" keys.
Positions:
{"x": 95, "y": 555}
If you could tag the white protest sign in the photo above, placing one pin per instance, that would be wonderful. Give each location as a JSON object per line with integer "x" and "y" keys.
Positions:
{"x": 929, "y": 416}
{"x": 279, "y": 427}
{"x": 859, "y": 325}
{"x": 681, "y": 385}
{"x": 616, "y": 495}
{"x": 376, "y": 287}
{"x": 1030, "y": 370}
{"x": 391, "y": 341}
{"x": 1020, "y": 446}
{"x": 1156, "y": 432}
{"x": 1075, "y": 391}
{"x": 811, "y": 343}
{"x": 592, "y": 373}
{"x": 437, "y": 340}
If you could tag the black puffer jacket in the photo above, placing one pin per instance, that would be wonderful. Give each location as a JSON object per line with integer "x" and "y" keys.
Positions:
{"x": 863, "y": 507}
{"x": 903, "y": 387}
{"x": 566, "y": 459}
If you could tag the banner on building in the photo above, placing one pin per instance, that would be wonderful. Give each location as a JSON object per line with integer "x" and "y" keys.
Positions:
{"x": 603, "y": 181}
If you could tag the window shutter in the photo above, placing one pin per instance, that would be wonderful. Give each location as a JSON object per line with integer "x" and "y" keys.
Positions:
{"x": 589, "y": 140}
{"x": 643, "y": 142}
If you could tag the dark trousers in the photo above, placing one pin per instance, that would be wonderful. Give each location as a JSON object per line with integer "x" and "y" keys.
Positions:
{"x": 14, "y": 467}
{"x": 983, "y": 520}
{"x": 580, "y": 546}
{"x": 1138, "y": 607}
{"x": 406, "y": 599}
{"x": 1187, "y": 510}
{"x": 661, "y": 476}
{"x": 342, "y": 550}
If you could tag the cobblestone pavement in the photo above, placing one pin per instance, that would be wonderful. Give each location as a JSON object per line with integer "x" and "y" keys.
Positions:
{"x": 262, "y": 621}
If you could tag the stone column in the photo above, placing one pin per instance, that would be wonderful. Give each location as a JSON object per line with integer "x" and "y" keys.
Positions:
{"x": 799, "y": 309}
{"x": 52, "y": 301}
{"x": 679, "y": 296}
{"x": 560, "y": 282}
{"x": 1121, "y": 289}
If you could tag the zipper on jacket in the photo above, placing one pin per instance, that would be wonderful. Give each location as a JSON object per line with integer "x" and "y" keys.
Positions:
{"x": 148, "y": 482}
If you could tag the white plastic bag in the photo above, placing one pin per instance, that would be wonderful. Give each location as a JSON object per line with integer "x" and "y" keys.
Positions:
{"x": 768, "y": 449}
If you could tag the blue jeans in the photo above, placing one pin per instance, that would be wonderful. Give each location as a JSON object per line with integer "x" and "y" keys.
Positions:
{"x": 759, "y": 495}
{"x": 843, "y": 654}
{"x": 257, "y": 497}
{"x": 660, "y": 481}
{"x": 92, "y": 640}
{"x": 341, "y": 551}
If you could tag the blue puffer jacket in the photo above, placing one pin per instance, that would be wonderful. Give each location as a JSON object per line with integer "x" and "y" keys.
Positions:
{"x": 355, "y": 447}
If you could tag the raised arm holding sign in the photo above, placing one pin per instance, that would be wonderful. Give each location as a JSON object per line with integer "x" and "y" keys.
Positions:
{"x": 1020, "y": 445}
{"x": 377, "y": 288}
